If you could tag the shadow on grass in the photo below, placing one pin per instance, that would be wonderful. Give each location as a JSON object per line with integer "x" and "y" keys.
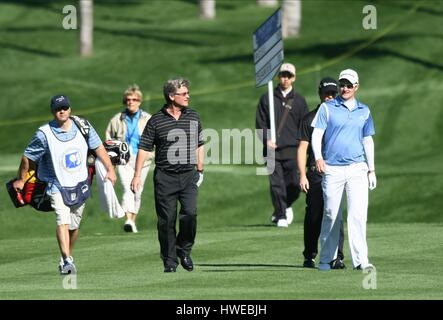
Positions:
{"x": 331, "y": 50}
{"x": 20, "y": 48}
{"x": 54, "y": 6}
{"x": 30, "y": 29}
{"x": 125, "y": 19}
{"x": 421, "y": 9}
{"x": 234, "y": 267}
{"x": 146, "y": 35}
{"x": 119, "y": 3}
{"x": 57, "y": 6}
{"x": 269, "y": 225}
{"x": 222, "y": 5}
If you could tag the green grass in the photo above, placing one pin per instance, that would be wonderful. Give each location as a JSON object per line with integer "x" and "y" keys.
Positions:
{"x": 148, "y": 42}
{"x": 236, "y": 262}
{"x": 238, "y": 254}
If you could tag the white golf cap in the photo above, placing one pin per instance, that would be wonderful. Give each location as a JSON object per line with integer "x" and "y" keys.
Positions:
{"x": 288, "y": 67}
{"x": 349, "y": 75}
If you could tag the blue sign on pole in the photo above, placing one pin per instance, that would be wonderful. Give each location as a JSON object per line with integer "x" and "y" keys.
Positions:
{"x": 268, "y": 56}
{"x": 268, "y": 49}
{"x": 267, "y": 29}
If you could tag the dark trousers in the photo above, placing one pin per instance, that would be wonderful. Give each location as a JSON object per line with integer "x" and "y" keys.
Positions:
{"x": 170, "y": 188}
{"x": 313, "y": 218}
{"x": 284, "y": 185}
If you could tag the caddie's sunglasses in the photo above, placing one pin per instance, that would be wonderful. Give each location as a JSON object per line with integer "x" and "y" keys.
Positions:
{"x": 347, "y": 85}
{"x": 64, "y": 108}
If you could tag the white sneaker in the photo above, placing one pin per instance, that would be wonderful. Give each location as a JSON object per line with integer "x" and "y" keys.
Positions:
{"x": 282, "y": 223}
{"x": 130, "y": 226}
{"x": 289, "y": 215}
{"x": 68, "y": 266}
{"x": 369, "y": 267}
{"x": 60, "y": 265}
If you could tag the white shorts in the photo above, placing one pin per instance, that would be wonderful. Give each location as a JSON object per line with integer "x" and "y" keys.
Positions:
{"x": 64, "y": 214}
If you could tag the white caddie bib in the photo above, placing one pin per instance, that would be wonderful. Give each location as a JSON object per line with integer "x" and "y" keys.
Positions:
{"x": 68, "y": 157}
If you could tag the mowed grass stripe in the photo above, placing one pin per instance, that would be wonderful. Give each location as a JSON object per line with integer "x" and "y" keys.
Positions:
{"x": 231, "y": 263}
{"x": 365, "y": 93}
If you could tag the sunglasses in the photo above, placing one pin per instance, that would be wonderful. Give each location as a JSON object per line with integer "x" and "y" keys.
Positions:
{"x": 285, "y": 74}
{"x": 347, "y": 85}
{"x": 136, "y": 100}
{"x": 64, "y": 108}
{"x": 183, "y": 94}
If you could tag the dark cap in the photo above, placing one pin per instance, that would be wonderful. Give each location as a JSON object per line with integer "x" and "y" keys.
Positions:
{"x": 327, "y": 84}
{"x": 59, "y": 101}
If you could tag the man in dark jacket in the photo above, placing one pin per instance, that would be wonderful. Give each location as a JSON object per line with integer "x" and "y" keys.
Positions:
{"x": 289, "y": 109}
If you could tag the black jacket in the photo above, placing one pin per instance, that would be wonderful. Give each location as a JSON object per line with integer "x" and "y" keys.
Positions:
{"x": 286, "y": 126}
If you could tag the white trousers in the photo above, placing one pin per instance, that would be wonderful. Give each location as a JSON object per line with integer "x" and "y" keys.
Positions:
{"x": 131, "y": 201}
{"x": 353, "y": 179}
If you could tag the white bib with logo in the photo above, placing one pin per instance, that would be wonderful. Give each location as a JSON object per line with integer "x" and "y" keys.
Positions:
{"x": 68, "y": 157}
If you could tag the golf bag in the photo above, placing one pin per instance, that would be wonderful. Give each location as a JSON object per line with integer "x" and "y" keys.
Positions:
{"x": 118, "y": 151}
{"x": 15, "y": 195}
{"x": 33, "y": 193}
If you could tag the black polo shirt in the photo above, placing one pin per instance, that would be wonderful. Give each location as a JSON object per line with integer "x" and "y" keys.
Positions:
{"x": 306, "y": 135}
{"x": 175, "y": 141}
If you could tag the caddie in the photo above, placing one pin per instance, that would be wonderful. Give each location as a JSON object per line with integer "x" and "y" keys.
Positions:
{"x": 59, "y": 151}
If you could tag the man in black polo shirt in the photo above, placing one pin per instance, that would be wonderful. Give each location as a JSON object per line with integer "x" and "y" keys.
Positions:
{"x": 310, "y": 182}
{"x": 176, "y": 133}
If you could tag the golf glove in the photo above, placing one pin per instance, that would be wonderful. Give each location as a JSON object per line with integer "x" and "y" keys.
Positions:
{"x": 372, "y": 180}
{"x": 200, "y": 178}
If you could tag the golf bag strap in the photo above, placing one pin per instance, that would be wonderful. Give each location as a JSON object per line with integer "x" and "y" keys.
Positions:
{"x": 31, "y": 176}
{"x": 83, "y": 125}
{"x": 288, "y": 106}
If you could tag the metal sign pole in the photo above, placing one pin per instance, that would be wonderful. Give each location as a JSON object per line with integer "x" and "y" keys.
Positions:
{"x": 271, "y": 110}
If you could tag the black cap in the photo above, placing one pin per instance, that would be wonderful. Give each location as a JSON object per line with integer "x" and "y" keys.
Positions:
{"x": 327, "y": 84}
{"x": 59, "y": 101}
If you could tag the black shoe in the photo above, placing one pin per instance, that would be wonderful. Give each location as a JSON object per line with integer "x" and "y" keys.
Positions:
{"x": 358, "y": 267}
{"x": 127, "y": 227}
{"x": 309, "y": 263}
{"x": 337, "y": 264}
{"x": 170, "y": 269}
{"x": 187, "y": 263}
{"x": 274, "y": 219}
